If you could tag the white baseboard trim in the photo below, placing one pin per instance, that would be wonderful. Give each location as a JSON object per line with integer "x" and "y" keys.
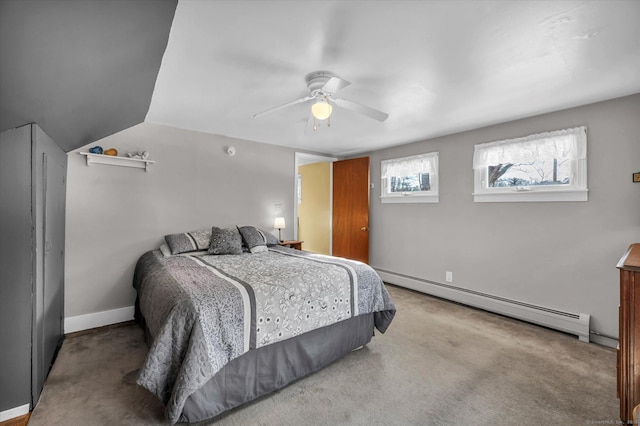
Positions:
{"x": 604, "y": 341}
{"x": 98, "y": 319}
{"x": 577, "y": 324}
{"x": 14, "y": 412}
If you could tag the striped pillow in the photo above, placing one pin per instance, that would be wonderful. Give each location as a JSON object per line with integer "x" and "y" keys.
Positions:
{"x": 253, "y": 238}
{"x": 189, "y": 241}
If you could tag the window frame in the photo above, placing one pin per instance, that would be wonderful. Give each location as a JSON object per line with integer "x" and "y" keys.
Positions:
{"x": 575, "y": 191}
{"x": 431, "y": 196}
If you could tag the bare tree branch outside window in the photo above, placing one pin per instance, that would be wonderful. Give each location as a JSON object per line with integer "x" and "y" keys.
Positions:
{"x": 535, "y": 173}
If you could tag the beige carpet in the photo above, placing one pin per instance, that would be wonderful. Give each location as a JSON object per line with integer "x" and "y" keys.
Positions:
{"x": 438, "y": 364}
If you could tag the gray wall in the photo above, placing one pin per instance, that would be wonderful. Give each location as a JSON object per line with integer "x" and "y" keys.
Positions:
{"x": 115, "y": 214}
{"x": 560, "y": 255}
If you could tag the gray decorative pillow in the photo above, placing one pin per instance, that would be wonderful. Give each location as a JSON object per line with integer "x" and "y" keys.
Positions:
{"x": 272, "y": 240}
{"x": 253, "y": 238}
{"x": 189, "y": 241}
{"x": 225, "y": 241}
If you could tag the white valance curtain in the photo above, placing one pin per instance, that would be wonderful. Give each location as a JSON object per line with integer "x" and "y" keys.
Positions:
{"x": 568, "y": 143}
{"x": 409, "y": 166}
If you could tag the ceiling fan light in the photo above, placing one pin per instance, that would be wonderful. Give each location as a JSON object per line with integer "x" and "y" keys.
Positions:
{"x": 321, "y": 110}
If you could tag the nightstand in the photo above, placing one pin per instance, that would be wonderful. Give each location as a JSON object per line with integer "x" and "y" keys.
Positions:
{"x": 293, "y": 244}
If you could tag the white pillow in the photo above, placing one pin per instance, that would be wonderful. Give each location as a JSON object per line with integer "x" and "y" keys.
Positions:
{"x": 166, "y": 251}
{"x": 258, "y": 249}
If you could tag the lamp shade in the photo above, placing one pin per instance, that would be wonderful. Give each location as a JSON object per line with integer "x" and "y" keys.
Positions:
{"x": 279, "y": 223}
{"x": 321, "y": 110}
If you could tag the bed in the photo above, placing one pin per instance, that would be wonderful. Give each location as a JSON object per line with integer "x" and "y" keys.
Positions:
{"x": 246, "y": 317}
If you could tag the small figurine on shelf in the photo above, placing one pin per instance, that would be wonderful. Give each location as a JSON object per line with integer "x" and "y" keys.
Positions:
{"x": 111, "y": 151}
{"x": 138, "y": 155}
{"x": 96, "y": 150}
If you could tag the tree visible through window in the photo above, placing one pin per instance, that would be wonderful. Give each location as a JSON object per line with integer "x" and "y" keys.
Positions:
{"x": 412, "y": 179}
{"x": 524, "y": 169}
{"x": 417, "y": 182}
{"x": 540, "y": 172}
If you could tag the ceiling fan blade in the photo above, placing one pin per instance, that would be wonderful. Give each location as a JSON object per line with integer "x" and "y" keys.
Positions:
{"x": 297, "y": 101}
{"x": 334, "y": 84}
{"x": 359, "y": 108}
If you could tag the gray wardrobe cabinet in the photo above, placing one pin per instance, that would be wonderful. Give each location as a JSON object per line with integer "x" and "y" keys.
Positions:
{"x": 32, "y": 220}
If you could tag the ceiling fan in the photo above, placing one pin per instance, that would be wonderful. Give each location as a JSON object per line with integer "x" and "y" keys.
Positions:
{"x": 322, "y": 87}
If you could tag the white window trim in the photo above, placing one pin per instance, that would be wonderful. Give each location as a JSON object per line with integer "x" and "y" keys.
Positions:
{"x": 397, "y": 199}
{"x": 577, "y": 191}
{"x": 431, "y": 196}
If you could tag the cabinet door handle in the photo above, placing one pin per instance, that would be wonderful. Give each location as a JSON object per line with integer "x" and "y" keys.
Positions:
{"x": 364, "y": 229}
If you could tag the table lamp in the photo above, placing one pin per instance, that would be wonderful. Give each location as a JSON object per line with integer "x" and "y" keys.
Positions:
{"x": 279, "y": 225}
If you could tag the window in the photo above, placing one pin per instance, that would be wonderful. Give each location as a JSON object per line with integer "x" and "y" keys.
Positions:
{"x": 548, "y": 166}
{"x": 411, "y": 179}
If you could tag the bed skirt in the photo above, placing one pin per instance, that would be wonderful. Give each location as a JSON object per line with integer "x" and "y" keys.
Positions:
{"x": 269, "y": 368}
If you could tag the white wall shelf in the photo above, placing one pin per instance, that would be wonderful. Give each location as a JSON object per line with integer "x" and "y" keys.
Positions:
{"x": 116, "y": 161}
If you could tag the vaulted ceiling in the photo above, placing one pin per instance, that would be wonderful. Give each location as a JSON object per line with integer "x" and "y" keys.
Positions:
{"x": 84, "y": 69}
{"x": 81, "y": 69}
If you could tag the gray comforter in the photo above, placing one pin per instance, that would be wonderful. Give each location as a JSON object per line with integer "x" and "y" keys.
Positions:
{"x": 204, "y": 311}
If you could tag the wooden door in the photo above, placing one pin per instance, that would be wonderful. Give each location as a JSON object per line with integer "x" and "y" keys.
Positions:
{"x": 351, "y": 209}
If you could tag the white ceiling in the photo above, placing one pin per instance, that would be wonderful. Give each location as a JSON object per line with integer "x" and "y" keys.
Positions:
{"x": 436, "y": 67}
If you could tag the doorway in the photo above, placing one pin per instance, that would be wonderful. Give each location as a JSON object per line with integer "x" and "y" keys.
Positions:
{"x": 333, "y": 219}
{"x": 313, "y": 202}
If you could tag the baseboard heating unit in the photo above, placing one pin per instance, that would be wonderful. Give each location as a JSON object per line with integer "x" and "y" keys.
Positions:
{"x": 576, "y": 324}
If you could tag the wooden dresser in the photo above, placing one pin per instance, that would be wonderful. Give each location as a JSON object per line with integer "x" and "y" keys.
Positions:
{"x": 629, "y": 347}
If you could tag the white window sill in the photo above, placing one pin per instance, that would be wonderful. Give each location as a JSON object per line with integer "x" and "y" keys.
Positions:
{"x": 411, "y": 199}
{"x": 532, "y": 196}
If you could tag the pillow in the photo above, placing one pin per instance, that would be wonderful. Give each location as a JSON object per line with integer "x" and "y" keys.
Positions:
{"x": 225, "y": 241}
{"x": 272, "y": 240}
{"x": 166, "y": 251}
{"x": 189, "y": 241}
{"x": 253, "y": 238}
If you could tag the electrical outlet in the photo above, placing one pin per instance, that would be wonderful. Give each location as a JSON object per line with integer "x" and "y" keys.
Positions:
{"x": 277, "y": 208}
{"x": 449, "y": 276}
